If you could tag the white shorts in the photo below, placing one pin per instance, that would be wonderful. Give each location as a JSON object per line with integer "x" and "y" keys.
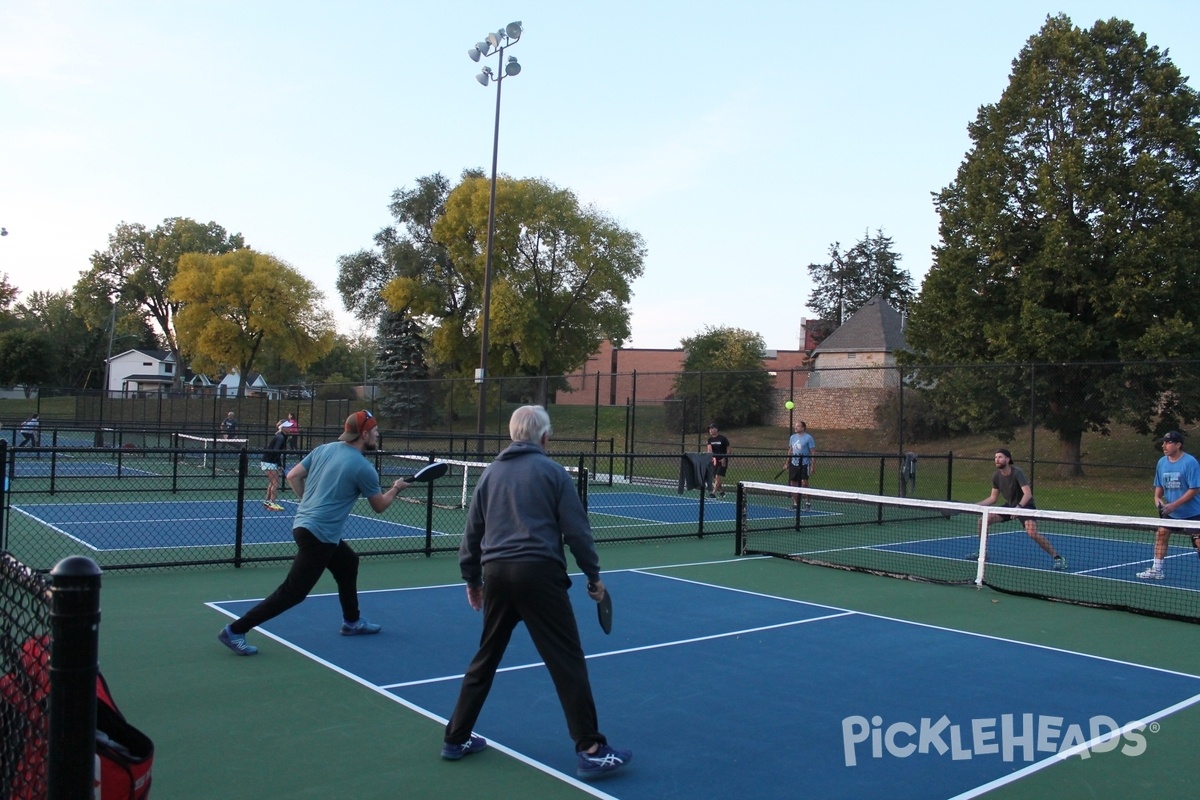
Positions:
{"x": 267, "y": 466}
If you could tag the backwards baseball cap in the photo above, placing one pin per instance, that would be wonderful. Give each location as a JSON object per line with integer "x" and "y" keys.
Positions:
{"x": 1173, "y": 436}
{"x": 1004, "y": 452}
{"x": 357, "y": 424}
{"x": 713, "y": 425}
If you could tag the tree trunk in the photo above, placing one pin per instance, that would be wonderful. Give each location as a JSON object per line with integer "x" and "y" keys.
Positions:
{"x": 1070, "y": 447}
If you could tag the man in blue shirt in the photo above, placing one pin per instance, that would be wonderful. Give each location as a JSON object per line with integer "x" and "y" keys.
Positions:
{"x": 801, "y": 448}
{"x": 327, "y": 482}
{"x": 1176, "y": 486}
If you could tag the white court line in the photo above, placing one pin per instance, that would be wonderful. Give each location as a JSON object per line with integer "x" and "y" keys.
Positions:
{"x": 643, "y": 648}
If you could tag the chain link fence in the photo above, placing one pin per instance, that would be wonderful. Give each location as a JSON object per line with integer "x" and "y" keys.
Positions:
{"x": 1081, "y": 425}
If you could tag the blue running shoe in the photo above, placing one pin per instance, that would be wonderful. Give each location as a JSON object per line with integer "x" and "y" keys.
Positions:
{"x": 1060, "y": 563}
{"x": 360, "y": 627}
{"x": 453, "y": 752}
{"x": 236, "y": 642}
{"x": 601, "y": 763}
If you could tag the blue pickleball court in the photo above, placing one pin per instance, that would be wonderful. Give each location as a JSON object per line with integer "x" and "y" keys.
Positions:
{"x": 723, "y": 692}
{"x": 189, "y": 523}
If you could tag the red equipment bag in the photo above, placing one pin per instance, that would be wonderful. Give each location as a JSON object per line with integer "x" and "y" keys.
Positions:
{"x": 124, "y": 754}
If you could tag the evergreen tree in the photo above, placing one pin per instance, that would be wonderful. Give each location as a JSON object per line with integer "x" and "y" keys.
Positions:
{"x": 401, "y": 369}
{"x": 850, "y": 279}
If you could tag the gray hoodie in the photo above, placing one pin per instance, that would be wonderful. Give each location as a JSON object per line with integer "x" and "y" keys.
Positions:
{"x": 524, "y": 508}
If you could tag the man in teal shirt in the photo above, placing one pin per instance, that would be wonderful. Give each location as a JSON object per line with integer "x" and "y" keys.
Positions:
{"x": 328, "y": 481}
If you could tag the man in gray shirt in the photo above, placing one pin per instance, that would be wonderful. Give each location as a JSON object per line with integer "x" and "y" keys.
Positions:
{"x": 1009, "y": 482}
{"x": 525, "y": 507}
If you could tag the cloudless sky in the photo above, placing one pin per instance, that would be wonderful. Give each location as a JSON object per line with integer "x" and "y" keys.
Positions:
{"x": 739, "y": 139}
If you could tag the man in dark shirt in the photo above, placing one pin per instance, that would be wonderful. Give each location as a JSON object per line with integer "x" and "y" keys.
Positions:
{"x": 718, "y": 448}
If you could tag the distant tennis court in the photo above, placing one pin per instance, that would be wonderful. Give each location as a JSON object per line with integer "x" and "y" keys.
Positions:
{"x": 69, "y": 467}
{"x": 188, "y": 524}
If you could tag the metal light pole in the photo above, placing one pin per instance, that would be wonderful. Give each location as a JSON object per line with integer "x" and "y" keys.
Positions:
{"x": 494, "y": 44}
{"x": 112, "y": 329}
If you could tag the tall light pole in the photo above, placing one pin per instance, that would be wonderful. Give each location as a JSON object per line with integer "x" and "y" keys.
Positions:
{"x": 494, "y": 44}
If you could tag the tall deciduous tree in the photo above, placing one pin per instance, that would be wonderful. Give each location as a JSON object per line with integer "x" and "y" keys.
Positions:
{"x": 26, "y": 358}
{"x": 1072, "y": 230}
{"x": 850, "y": 279}
{"x": 140, "y": 264}
{"x": 230, "y": 304}
{"x": 406, "y": 249}
{"x": 723, "y": 379}
{"x": 8, "y": 295}
{"x": 561, "y": 276}
{"x": 78, "y": 347}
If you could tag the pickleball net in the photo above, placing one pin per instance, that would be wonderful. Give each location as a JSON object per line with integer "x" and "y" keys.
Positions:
{"x": 454, "y": 489}
{"x": 208, "y": 452}
{"x": 1107, "y": 560}
{"x": 24, "y": 678}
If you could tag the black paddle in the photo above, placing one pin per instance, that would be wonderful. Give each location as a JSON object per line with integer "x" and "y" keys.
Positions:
{"x": 427, "y": 473}
{"x": 603, "y": 609}
{"x": 777, "y": 474}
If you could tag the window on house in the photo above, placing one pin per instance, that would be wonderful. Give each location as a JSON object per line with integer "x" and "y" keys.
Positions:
{"x": 851, "y": 355}
{"x": 168, "y": 368}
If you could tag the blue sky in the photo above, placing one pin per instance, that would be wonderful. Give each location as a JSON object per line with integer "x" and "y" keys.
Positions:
{"x": 739, "y": 139}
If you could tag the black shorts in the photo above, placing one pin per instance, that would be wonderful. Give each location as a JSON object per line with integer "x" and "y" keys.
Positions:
{"x": 797, "y": 473}
{"x": 1188, "y": 532}
{"x": 720, "y": 465}
{"x": 1007, "y": 517}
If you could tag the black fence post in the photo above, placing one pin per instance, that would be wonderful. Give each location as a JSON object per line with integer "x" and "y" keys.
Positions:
{"x": 74, "y": 664}
{"x": 950, "y": 475}
{"x": 596, "y": 420}
{"x": 633, "y": 417}
{"x": 4, "y": 494}
{"x": 239, "y": 525}
{"x": 1032, "y": 424}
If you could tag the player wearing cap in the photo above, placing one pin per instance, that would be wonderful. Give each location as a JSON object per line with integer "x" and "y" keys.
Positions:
{"x": 327, "y": 482}
{"x": 718, "y": 448}
{"x": 1009, "y": 482}
{"x": 1176, "y": 486}
{"x": 271, "y": 463}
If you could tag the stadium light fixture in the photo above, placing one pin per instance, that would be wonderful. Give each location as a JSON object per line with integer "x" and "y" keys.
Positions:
{"x": 493, "y": 44}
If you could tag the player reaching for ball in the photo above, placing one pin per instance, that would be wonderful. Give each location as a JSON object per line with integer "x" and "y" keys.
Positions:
{"x": 800, "y": 461}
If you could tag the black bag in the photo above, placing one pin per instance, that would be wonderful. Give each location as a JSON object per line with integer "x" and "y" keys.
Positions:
{"x": 124, "y": 754}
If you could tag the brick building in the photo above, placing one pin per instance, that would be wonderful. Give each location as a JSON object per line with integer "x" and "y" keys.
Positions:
{"x": 837, "y": 381}
{"x": 647, "y": 374}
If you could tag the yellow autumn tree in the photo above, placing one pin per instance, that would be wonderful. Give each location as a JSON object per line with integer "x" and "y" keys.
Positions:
{"x": 233, "y": 304}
